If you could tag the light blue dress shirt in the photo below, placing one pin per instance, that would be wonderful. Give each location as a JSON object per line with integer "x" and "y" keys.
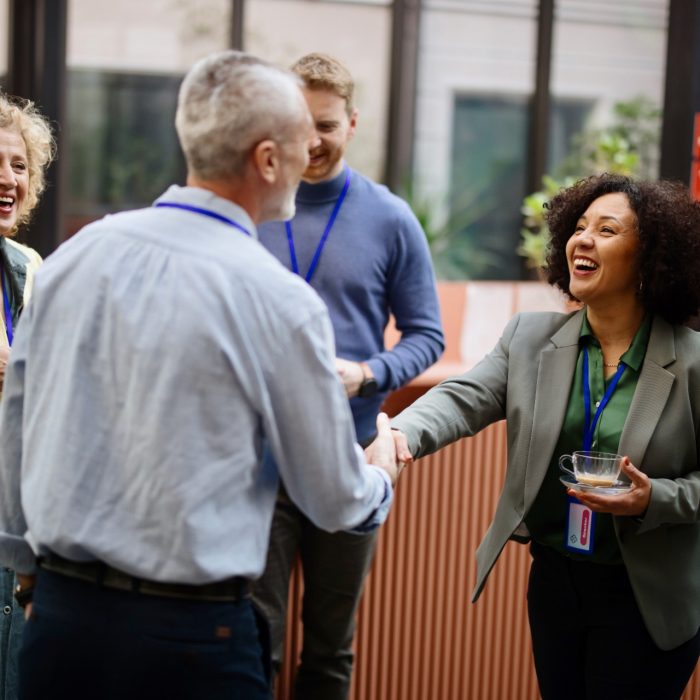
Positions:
{"x": 160, "y": 348}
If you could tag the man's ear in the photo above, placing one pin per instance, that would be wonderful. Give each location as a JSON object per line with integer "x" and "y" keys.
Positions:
{"x": 353, "y": 122}
{"x": 265, "y": 159}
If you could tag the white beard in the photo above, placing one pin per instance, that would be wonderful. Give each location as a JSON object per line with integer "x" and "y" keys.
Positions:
{"x": 281, "y": 206}
{"x": 289, "y": 206}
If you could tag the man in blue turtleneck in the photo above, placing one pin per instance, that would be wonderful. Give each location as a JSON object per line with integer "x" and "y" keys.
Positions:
{"x": 362, "y": 249}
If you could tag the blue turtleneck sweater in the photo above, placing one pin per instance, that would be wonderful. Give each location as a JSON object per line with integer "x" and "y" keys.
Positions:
{"x": 375, "y": 262}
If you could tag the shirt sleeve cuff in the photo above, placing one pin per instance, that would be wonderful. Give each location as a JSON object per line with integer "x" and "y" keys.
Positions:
{"x": 382, "y": 511}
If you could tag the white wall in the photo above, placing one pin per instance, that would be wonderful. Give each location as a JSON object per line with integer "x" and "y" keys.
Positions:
{"x": 145, "y": 36}
{"x": 604, "y": 50}
{"x": 358, "y": 34}
{"x": 610, "y": 51}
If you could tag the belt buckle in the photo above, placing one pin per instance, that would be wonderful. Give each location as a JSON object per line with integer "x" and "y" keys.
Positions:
{"x": 114, "y": 578}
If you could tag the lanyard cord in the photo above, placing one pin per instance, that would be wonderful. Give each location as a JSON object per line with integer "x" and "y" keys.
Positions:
{"x": 204, "y": 212}
{"x": 324, "y": 237}
{"x": 589, "y": 426}
{"x": 6, "y": 305}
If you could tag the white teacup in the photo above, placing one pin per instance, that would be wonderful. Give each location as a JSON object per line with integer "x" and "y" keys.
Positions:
{"x": 593, "y": 468}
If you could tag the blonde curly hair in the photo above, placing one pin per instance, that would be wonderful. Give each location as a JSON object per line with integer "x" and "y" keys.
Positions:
{"x": 21, "y": 115}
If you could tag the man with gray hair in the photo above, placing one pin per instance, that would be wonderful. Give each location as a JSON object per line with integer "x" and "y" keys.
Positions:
{"x": 162, "y": 349}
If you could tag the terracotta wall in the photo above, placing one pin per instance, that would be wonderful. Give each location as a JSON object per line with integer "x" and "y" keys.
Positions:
{"x": 419, "y": 637}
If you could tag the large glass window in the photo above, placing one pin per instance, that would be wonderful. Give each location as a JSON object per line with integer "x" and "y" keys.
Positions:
{"x": 488, "y": 182}
{"x": 476, "y": 71}
{"x": 488, "y": 178}
{"x": 126, "y": 61}
{"x": 476, "y": 77}
{"x": 122, "y": 143}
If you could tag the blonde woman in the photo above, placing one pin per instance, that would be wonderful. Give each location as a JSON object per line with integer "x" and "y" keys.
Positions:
{"x": 26, "y": 148}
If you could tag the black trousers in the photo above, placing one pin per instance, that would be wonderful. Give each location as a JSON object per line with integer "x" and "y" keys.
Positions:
{"x": 589, "y": 639}
{"x": 86, "y": 642}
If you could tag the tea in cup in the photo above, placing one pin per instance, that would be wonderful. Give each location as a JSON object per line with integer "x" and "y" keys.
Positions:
{"x": 593, "y": 468}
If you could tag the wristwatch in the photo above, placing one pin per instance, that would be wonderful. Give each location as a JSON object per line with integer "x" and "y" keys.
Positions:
{"x": 369, "y": 386}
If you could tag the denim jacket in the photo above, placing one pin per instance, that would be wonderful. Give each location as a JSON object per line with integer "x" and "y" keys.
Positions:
{"x": 19, "y": 264}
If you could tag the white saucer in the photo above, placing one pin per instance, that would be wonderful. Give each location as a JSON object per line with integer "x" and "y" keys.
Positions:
{"x": 617, "y": 488}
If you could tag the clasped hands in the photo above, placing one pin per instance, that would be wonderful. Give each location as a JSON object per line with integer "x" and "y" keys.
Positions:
{"x": 632, "y": 503}
{"x": 389, "y": 451}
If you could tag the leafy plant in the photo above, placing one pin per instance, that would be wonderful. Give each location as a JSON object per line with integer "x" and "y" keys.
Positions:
{"x": 534, "y": 233}
{"x": 628, "y": 146}
{"x": 455, "y": 256}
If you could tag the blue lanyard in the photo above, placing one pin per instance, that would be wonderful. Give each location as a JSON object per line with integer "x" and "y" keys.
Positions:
{"x": 322, "y": 242}
{"x": 205, "y": 212}
{"x": 589, "y": 427}
{"x": 6, "y": 304}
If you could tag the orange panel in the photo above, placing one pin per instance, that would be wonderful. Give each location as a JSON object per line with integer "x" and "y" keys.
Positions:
{"x": 418, "y": 635}
{"x": 695, "y": 180}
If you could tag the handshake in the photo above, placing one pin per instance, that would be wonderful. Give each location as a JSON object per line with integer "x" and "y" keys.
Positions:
{"x": 389, "y": 450}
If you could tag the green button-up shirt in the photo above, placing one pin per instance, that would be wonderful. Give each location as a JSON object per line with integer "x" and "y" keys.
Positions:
{"x": 547, "y": 518}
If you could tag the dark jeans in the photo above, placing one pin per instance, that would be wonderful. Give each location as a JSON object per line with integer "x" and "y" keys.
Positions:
{"x": 11, "y": 623}
{"x": 335, "y": 566}
{"x": 85, "y": 641}
{"x": 589, "y": 638}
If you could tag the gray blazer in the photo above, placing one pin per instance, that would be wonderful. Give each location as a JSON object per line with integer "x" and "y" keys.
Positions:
{"x": 526, "y": 380}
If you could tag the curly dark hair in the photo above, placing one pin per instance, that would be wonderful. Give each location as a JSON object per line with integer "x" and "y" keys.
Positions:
{"x": 668, "y": 223}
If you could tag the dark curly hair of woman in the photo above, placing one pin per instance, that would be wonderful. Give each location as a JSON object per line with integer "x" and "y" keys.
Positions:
{"x": 668, "y": 224}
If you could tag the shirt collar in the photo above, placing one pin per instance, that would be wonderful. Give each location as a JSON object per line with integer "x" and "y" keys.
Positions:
{"x": 199, "y": 197}
{"x": 326, "y": 191}
{"x": 634, "y": 355}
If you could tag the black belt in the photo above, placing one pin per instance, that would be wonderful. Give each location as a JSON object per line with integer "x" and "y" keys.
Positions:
{"x": 232, "y": 589}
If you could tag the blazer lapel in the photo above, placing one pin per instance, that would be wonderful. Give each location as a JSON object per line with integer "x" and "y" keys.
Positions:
{"x": 557, "y": 367}
{"x": 651, "y": 395}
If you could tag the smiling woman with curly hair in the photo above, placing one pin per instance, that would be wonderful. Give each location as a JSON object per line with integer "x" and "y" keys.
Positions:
{"x": 614, "y": 588}
{"x": 669, "y": 240}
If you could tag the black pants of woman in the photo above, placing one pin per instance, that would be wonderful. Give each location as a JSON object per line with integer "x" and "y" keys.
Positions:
{"x": 589, "y": 639}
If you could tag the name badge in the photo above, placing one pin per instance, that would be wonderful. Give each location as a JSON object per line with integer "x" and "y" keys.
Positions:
{"x": 580, "y": 527}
